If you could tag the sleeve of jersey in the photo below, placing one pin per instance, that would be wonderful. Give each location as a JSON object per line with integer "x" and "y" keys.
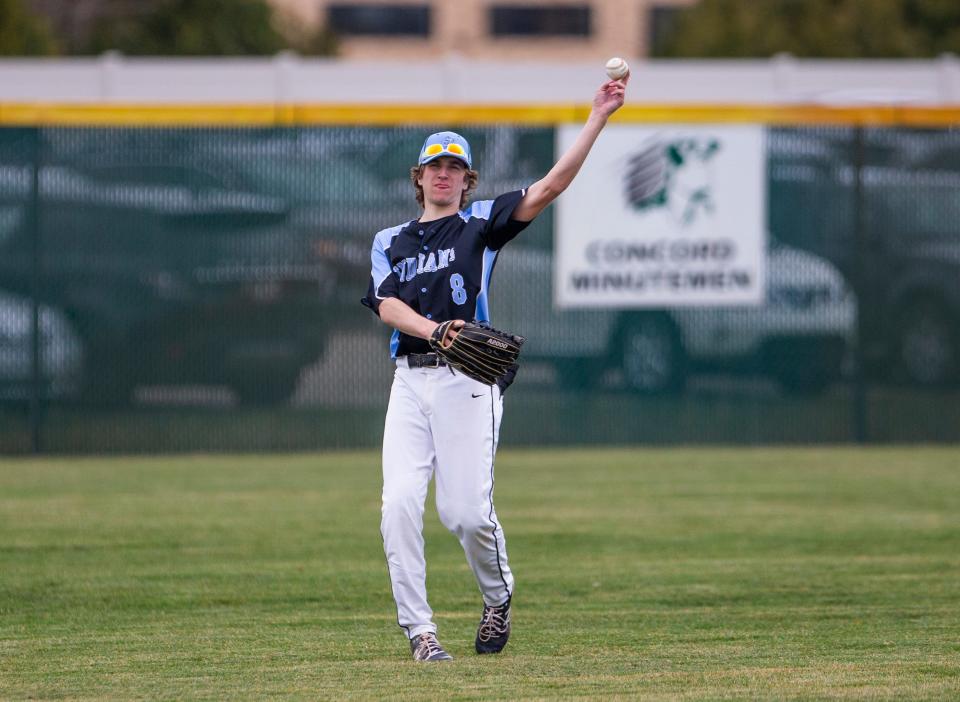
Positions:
{"x": 501, "y": 227}
{"x": 383, "y": 281}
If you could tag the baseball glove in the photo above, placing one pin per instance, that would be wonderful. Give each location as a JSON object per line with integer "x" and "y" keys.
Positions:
{"x": 478, "y": 350}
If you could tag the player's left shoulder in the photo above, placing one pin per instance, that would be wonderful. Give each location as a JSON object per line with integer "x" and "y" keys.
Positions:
{"x": 477, "y": 210}
{"x": 484, "y": 209}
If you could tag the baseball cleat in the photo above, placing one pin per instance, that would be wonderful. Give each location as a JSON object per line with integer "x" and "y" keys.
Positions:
{"x": 425, "y": 647}
{"x": 494, "y": 628}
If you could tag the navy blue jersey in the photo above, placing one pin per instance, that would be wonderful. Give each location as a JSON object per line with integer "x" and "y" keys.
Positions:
{"x": 442, "y": 269}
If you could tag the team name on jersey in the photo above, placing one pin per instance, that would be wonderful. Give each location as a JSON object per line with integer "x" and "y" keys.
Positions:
{"x": 410, "y": 268}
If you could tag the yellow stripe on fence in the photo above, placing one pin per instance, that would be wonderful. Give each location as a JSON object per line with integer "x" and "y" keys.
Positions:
{"x": 100, "y": 115}
{"x": 253, "y": 115}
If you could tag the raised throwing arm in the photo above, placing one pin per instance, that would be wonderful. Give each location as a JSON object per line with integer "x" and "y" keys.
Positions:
{"x": 608, "y": 99}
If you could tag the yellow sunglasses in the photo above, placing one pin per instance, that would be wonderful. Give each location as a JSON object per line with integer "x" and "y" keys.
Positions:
{"x": 435, "y": 149}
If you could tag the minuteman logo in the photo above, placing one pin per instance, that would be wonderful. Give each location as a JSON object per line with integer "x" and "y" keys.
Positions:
{"x": 675, "y": 174}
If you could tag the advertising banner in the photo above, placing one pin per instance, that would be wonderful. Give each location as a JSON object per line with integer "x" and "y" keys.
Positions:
{"x": 662, "y": 216}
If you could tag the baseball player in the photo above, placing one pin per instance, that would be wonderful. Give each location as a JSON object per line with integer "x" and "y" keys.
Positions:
{"x": 441, "y": 423}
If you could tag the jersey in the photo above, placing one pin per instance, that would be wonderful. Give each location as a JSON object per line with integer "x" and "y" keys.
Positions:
{"x": 442, "y": 268}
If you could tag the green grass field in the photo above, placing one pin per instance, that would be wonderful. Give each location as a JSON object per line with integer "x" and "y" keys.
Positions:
{"x": 676, "y": 574}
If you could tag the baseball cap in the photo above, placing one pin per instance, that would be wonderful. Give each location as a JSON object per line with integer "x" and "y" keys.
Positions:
{"x": 445, "y": 144}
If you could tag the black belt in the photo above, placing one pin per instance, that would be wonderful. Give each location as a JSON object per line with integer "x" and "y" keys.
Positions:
{"x": 424, "y": 360}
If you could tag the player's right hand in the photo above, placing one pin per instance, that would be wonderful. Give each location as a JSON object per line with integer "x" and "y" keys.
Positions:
{"x": 451, "y": 332}
{"x": 454, "y": 330}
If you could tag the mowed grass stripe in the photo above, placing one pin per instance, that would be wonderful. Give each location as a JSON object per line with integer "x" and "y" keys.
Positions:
{"x": 664, "y": 574}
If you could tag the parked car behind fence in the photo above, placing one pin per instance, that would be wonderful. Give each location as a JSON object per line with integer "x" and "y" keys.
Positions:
{"x": 800, "y": 335}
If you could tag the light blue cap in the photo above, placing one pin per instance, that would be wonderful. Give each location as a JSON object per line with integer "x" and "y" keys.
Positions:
{"x": 445, "y": 139}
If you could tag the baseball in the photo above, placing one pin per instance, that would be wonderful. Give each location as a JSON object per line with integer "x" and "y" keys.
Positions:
{"x": 617, "y": 68}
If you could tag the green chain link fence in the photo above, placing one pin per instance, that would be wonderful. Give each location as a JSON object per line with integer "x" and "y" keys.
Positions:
{"x": 198, "y": 289}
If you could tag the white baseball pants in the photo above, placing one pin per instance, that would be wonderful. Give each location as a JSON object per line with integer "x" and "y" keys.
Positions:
{"x": 440, "y": 422}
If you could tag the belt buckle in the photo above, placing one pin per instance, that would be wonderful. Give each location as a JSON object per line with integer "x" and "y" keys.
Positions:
{"x": 435, "y": 363}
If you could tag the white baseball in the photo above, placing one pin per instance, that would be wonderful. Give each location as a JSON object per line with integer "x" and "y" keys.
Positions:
{"x": 617, "y": 68}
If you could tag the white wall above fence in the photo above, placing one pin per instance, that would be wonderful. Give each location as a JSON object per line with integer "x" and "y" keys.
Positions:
{"x": 288, "y": 78}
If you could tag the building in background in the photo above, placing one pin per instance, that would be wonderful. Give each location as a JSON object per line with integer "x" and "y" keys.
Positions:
{"x": 566, "y": 30}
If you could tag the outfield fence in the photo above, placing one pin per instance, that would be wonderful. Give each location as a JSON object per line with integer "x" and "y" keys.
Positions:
{"x": 194, "y": 284}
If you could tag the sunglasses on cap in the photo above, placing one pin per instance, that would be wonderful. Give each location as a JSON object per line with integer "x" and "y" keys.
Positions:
{"x": 451, "y": 148}
{"x": 445, "y": 144}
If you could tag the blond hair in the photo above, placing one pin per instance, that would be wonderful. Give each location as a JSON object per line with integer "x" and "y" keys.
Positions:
{"x": 473, "y": 177}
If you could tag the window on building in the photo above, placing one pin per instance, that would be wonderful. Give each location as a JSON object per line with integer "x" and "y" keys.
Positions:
{"x": 378, "y": 20}
{"x": 661, "y": 24}
{"x": 540, "y": 20}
